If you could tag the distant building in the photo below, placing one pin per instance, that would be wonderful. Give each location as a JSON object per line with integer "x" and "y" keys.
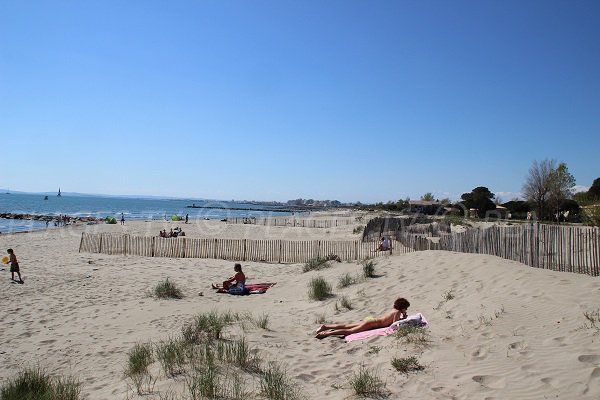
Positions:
{"x": 425, "y": 207}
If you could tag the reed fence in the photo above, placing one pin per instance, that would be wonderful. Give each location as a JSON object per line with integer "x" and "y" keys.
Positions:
{"x": 558, "y": 248}
{"x": 274, "y": 251}
{"x": 293, "y": 222}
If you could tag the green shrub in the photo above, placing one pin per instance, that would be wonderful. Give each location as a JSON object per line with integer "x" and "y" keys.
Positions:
{"x": 346, "y": 303}
{"x": 207, "y": 326}
{"x": 315, "y": 264}
{"x": 167, "y": 290}
{"x": 319, "y": 289}
{"x": 407, "y": 364}
{"x": 413, "y": 335}
{"x": 171, "y": 354}
{"x": 346, "y": 280}
{"x": 140, "y": 357}
{"x": 35, "y": 383}
{"x": 368, "y": 267}
{"x": 367, "y": 384}
{"x": 276, "y": 385}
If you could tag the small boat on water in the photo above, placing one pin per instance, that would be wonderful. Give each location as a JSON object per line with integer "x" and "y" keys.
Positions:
{"x": 58, "y": 195}
{"x": 45, "y": 197}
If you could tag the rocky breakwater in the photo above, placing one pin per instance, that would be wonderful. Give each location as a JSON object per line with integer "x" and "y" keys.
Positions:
{"x": 49, "y": 218}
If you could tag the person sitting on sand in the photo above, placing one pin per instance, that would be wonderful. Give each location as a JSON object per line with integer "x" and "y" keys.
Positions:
{"x": 385, "y": 320}
{"x": 384, "y": 244}
{"x": 235, "y": 284}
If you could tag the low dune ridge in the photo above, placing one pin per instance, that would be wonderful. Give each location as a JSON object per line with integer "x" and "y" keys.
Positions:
{"x": 497, "y": 329}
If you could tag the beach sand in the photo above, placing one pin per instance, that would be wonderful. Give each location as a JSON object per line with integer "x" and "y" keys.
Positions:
{"x": 498, "y": 329}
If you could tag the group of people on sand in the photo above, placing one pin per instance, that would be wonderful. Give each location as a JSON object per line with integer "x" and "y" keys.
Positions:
{"x": 236, "y": 284}
{"x": 173, "y": 233}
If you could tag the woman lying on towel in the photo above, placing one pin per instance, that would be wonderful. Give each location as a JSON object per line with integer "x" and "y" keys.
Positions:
{"x": 235, "y": 284}
{"x": 398, "y": 313}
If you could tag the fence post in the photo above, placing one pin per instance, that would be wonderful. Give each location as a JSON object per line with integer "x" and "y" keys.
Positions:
{"x": 125, "y": 244}
{"x": 280, "y": 250}
{"x": 244, "y": 249}
{"x": 183, "y": 248}
{"x": 152, "y": 246}
{"x": 100, "y": 245}
{"x": 81, "y": 242}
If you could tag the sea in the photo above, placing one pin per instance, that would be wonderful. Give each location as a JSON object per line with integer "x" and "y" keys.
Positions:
{"x": 133, "y": 208}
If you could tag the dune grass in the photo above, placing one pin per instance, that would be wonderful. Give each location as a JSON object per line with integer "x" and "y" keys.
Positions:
{"x": 416, "y": 335}
{"x": 276, "y": 385}
{"x": 35, "y": 383}
{"x": 368, "y": 267}
{"x": 140, "y": 357}
{"x": 346, "y": 280}
{"x": 171, "y": 354}
{"x": 407, "y": 364}
{"x": 319, "y": 289}
{"x": 365, "y": 383}
{"x": 316, "y": 264}
{"x": 167, "y": 290}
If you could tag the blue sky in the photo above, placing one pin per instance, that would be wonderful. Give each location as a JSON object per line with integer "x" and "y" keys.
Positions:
{"x": 275, "y": 100}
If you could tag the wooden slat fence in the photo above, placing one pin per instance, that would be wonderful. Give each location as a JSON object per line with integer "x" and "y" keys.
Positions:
{"x": 559, "y": 248}
{"x": 294, "y": 222}
{"x": 273, "y": 251}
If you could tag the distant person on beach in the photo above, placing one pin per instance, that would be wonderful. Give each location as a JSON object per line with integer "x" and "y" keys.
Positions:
{"x": 383, "y": 321}
{"x": 122, "y": 219}
{"x": 186, "y": 218}
{"x": 234, "y": 284}
{"x": 384, "y": 244}
{"x": 14, "y": 266}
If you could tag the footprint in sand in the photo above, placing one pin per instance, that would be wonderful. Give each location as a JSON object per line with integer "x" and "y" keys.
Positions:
{"x": 479, "y": 354}
{"x": 490, "y": 381}
{"x": 589, "y": 358}
{"x": 551, "y": 381}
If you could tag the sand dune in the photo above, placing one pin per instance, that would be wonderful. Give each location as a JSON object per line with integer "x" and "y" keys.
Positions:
{"x": 498, "y": 329}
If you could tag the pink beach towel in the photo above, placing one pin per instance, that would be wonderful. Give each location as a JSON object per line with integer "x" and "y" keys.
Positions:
{"x": 413, "y": 320}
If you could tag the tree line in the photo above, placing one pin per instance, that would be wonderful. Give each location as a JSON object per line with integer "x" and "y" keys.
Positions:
{"x": 548, "y": 195}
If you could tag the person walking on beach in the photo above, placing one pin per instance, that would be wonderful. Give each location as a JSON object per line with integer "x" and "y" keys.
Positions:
{"x": 385, "y": 320}
{"x": 186, "y": 218}
{"x": 14, "y": 266}
{"x": 122, "y": 219}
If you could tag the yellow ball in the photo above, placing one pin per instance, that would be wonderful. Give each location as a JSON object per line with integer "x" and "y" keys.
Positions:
{"x": 5, "y": 260}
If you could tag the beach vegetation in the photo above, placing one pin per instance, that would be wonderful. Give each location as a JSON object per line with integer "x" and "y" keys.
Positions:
{"x": 262, "y": 321}
{"x": 316, "y": 264}
{"x": 276, "y": 384}
{"x": 592, "y": 320}
{"x": 449, "y": 295}
{"x": 345, "y": 303}
{"x": 167, "y": 290}
{"x": 480, "y": 199}
{"x": 454, "y": 219}
{"x": 36, "y": 383}
{"x": 171, "y": 354}
{"x": 346, "y": 280}
{"x": 320, "y": 318}
{"x": 367, "y": 383}
{"x": 368, "y": 267}
{"x": 407, "y": 364}
{"x": 415, "y": 335}
{"x": 319, "y": 289}
{"x": 207, "y": 326}
{"x": 139, "y": 358}
{"x": 358, "y": 229}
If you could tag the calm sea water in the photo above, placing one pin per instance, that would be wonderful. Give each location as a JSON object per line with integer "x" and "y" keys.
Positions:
{"x": 132, "y": 209}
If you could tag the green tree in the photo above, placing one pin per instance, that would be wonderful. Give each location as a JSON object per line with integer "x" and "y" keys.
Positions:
{"x": 427, "y": 197}
{"x": 561, "y": 188}
{"x": 594, "y": 190}
{"x": 480, "y": 198}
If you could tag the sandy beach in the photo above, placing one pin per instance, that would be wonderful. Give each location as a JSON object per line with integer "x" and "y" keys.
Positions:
{"x": 497, "y": 329}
